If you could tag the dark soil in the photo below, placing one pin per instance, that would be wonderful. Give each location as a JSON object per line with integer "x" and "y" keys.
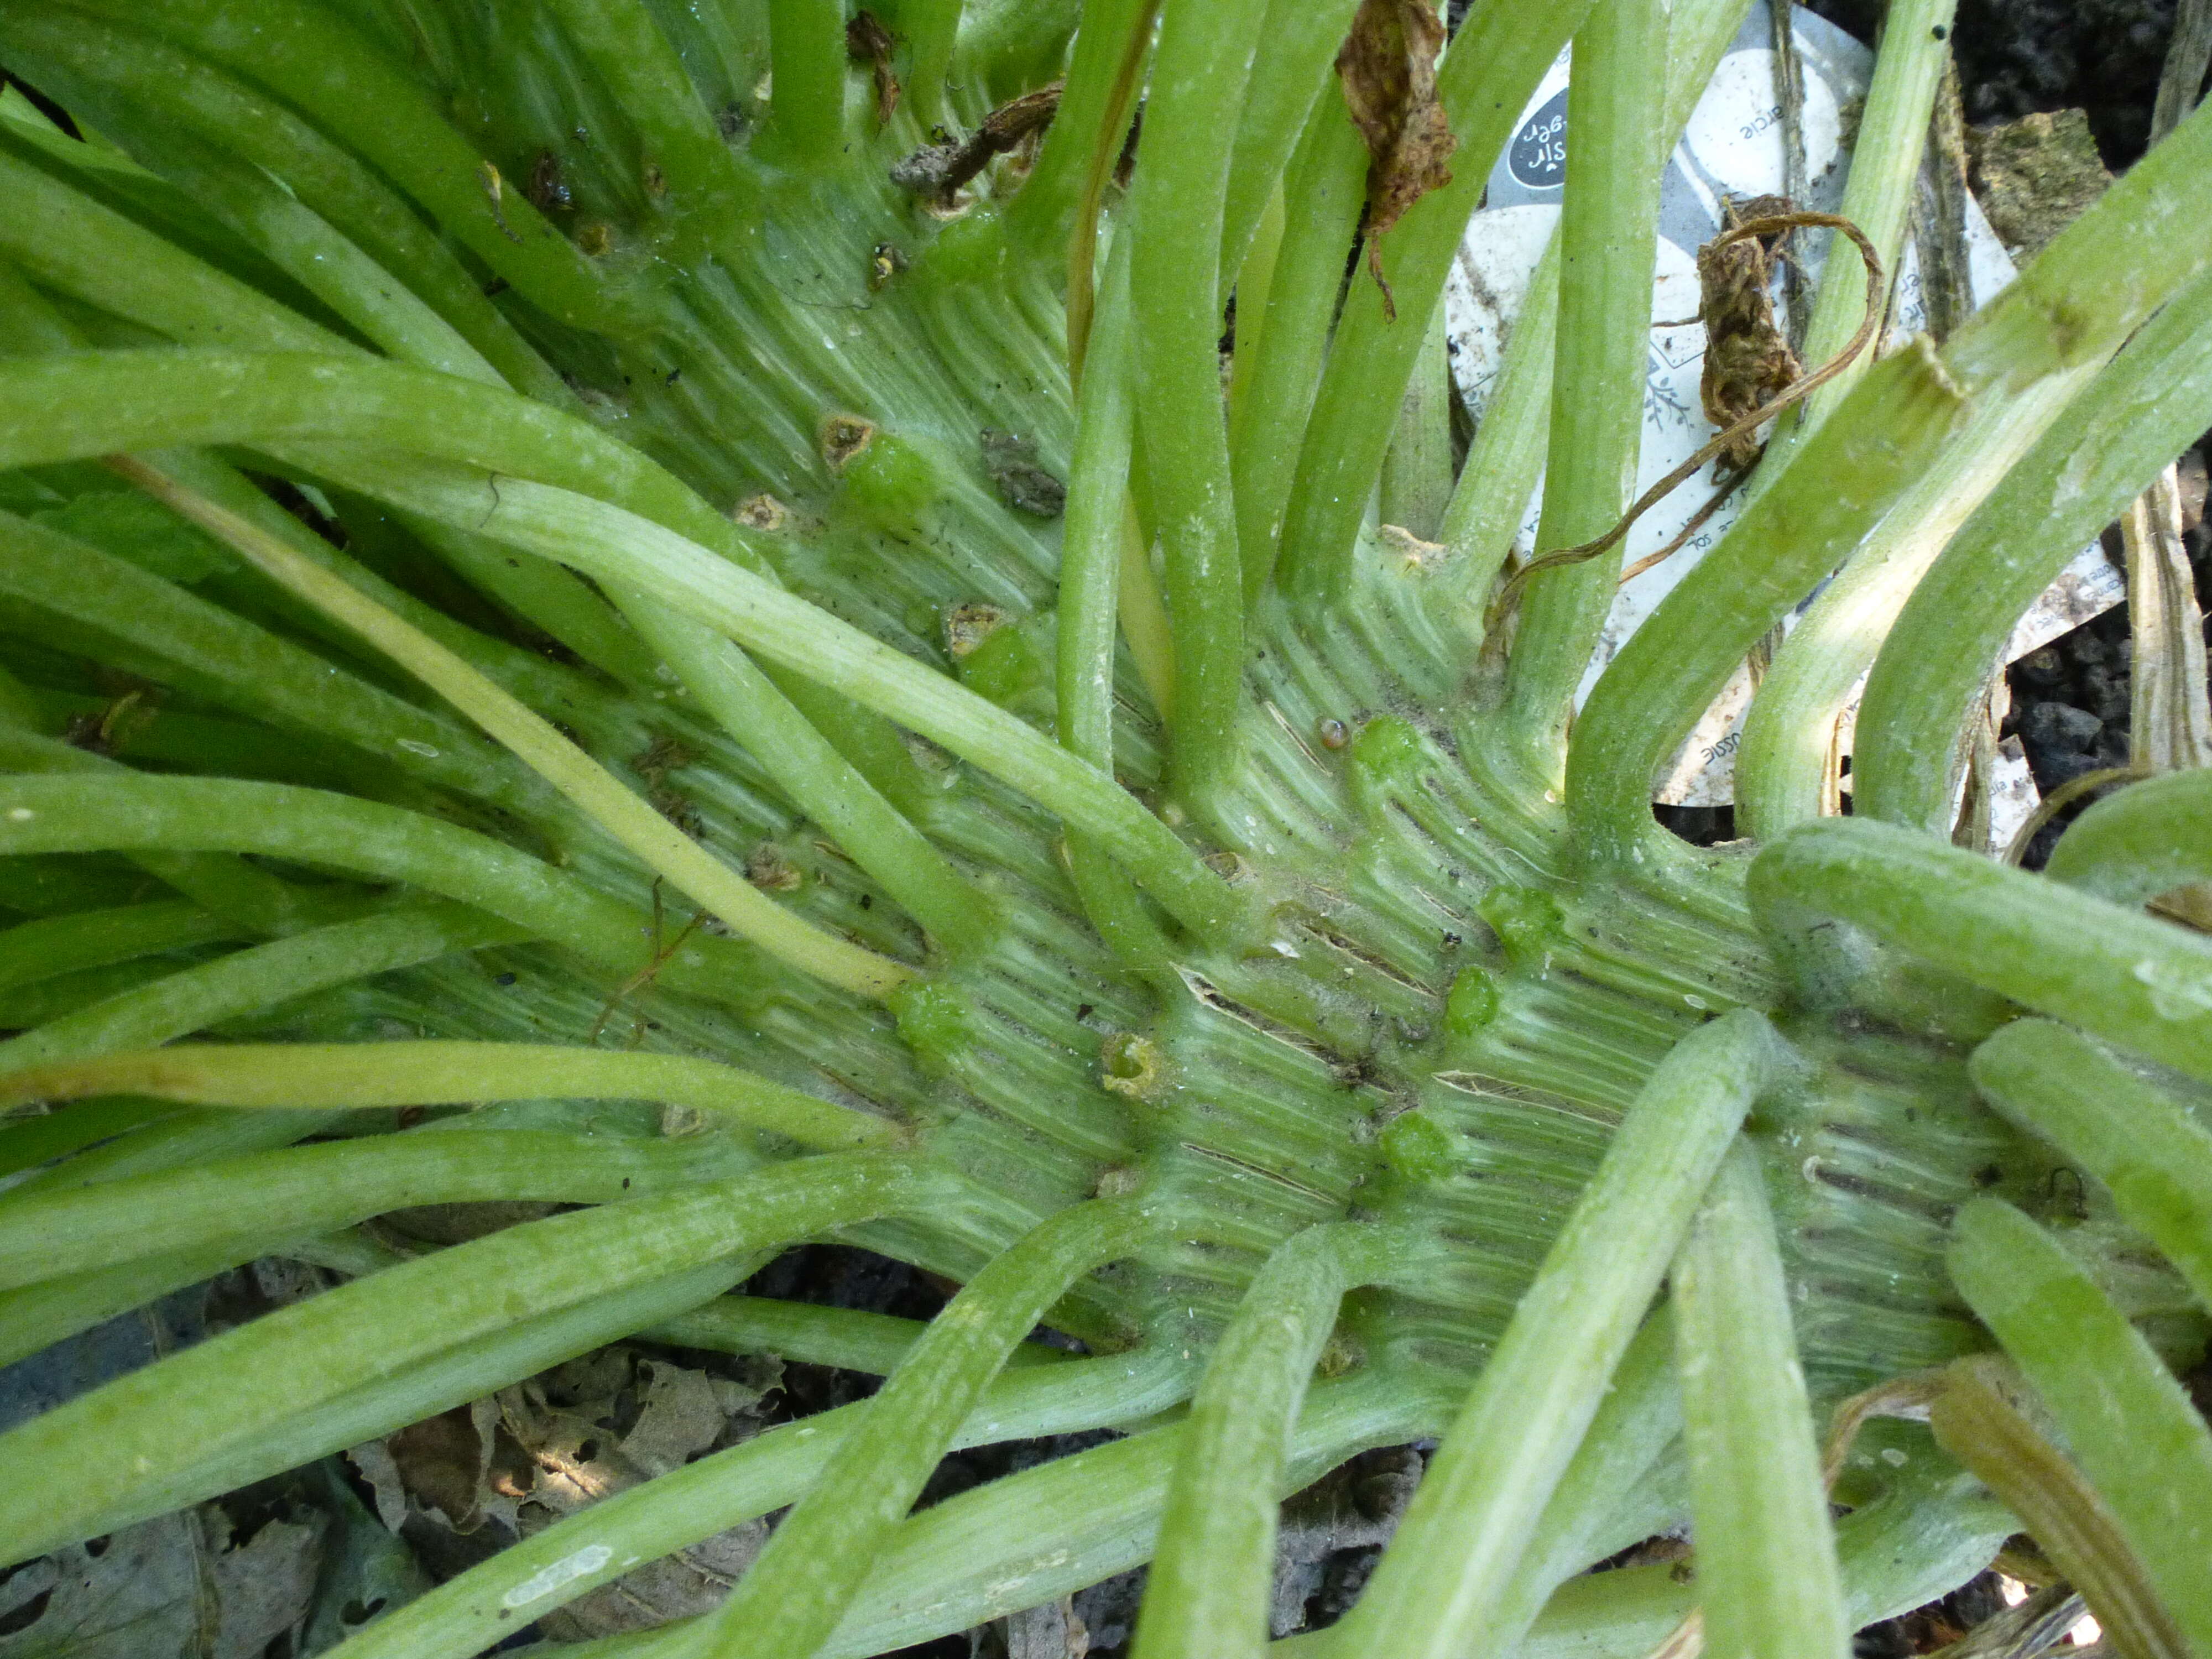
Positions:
{"x": 2016, "y": 56}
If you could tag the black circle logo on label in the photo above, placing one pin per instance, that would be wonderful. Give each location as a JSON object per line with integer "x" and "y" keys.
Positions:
{"x": 1539, "y": 156}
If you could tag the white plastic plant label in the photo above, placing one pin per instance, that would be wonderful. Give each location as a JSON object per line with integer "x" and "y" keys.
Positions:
{"x": 1731, "y": 149}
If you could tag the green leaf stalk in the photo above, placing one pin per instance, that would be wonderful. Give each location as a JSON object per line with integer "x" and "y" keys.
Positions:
{"x": 540, "y": 583}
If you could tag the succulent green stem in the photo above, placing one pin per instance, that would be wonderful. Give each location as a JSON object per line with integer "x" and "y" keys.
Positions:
{"x": 1616, "y": 110}
{"x": 2112, "y": 971}
{"x": 792, "y": 1597}
{"x": 822, "y": 782}
{"x": 1451, "y": 1567}
{"x": 1767, "y": 1578}
{"x": 1190, "y": 127}
{"x": 2136, "y": 1138}
{"x": 1213, "y": 1564}
{"x": 139, "y": 1431}
{"x": 1494, "y": 62}
{"x": 847, "y": 1337}
{"x": 1892, "y": 131}
{"x": 2128, "y": 1423}
{"x": 577, "y": 1554}
{"x": 2140, "y": 841}
{"x": 1417, "y": 468}
{"x": 630, "y": 820}
{"x": 246, "y": 667}
{"x": 2091, "y": 289}
{"x": 1288, "y": 80}
{"x": 411, "y": 1391}
{"x": 616, "y": 546}
{"x": 1323, "y": 192}
{"x": 306, "y": 1190}
{"x": 177, "y": 814}
{"x": 806, "y": 43}
{"x": 425, "y": 1072}
{"x": 92, "y": 938}
{"x": 2141, "y": 410}
{"x": 246, "y": 981}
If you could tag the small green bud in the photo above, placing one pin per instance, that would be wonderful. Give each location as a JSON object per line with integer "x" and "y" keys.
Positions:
{"x": 889, "y": 480}
{"x": 1472, "y": 1002}
{"x": 1527, "y": 919}
{"x": 1002, "y": 667}
{"x": 1388, "y": 749}
{"x": 932, "y": 1021}
{"x": 1418, "y": 1148}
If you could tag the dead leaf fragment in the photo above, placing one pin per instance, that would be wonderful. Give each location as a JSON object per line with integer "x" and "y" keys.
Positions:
{"x": 170, "y": 1586}
{"x": 2034, "y": 177}
{"x": 1054, "y": 1631}
{"x": 1748, "y": 361}
{"x": 936, "y": 171}
{"x": 510, "y": 1466}
{"x": 266, "y": 1586}
{"x": 868, "y": 42}
{"x": 1388, "y": 66}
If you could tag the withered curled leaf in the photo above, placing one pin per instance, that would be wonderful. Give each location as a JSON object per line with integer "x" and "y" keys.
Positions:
{"x": 1748, "y": 361}
{"x": 867, "y": 41}
{"x": 1388, "y": 65}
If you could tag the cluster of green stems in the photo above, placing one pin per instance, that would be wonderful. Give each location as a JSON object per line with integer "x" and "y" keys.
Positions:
{"x": 288, "y": 268}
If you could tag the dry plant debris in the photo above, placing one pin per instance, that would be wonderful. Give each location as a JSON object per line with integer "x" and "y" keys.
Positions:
{"x": 1388, "y": 66}
{"x": 867, "y": 41}
{"x": 2035, "y": 176}
{"x": 518, "y": 1461}
{"x": 936, "y": 171}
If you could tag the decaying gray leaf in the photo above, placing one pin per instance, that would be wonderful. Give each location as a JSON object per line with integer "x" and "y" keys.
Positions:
{"x": 1011, "y": 461}
{"x": 1388, "y": 66}
{"x": 171, "y": 1588}
{"x": 1054, "y": 1631}
{"x": 266, "y": 1586}
{"x": 559, "y": 1442}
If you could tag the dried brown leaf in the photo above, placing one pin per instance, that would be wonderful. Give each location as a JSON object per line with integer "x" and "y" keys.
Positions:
{"x": 868, "y": 42}
{"x": 516, "y": 1463}
{"x": 936, "y": 171}
{"x": 1748, "y": 361}
{"x": 1388, "y": 66}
